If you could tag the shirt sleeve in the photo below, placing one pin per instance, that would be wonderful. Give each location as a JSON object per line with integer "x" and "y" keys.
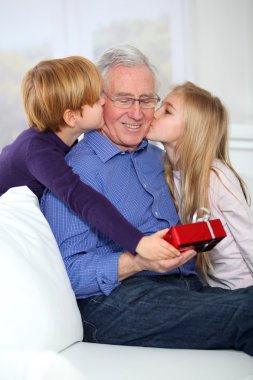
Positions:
{"x": 49, "y": 167}
{"x": 93, "y": 274}
{"x": 234, "y": 211}
{"x": 91, "y": 270}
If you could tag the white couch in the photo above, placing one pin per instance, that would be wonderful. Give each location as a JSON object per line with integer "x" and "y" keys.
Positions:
{"x": 40, "y": 324}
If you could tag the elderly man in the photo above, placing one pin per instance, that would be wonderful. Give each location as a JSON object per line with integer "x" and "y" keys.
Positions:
{"x": 124, "y": 298}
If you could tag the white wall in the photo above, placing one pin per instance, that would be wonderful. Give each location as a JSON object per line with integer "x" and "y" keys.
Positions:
{"x": 241, "y": 153}
{"x": 220, "y": 58}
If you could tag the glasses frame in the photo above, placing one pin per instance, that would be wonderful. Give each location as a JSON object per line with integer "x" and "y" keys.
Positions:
{"x": 141, "y": 101}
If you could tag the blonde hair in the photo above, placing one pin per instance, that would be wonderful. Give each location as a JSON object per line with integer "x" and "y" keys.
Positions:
{"x": 55, "y": 85}
{"x": 205, "y": 139}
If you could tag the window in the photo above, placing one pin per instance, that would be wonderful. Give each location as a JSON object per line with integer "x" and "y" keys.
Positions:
{"x": 35, "y": 30}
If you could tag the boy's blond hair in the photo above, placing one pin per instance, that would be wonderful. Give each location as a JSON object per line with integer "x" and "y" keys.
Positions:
{"x": 56, "y": 85}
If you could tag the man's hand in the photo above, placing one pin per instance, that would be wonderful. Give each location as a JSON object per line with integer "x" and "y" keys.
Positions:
{"x": 130, "y": 265}
{"x": 166, "y": 265}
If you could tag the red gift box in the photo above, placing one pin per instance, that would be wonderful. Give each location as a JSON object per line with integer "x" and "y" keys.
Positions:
{"x": 200, "y": 236}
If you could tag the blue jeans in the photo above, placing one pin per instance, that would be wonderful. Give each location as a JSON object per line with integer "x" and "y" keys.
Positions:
{"x": 170, "y": 312}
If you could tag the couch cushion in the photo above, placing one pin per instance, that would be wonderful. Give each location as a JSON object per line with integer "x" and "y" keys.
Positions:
{"x": 38, "y": 307}
{"x": 37, "y": 365}
{"x": 108, "y": 362}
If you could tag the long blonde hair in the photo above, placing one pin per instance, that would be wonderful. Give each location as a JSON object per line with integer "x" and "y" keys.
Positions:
{"x": 205, "y": 139}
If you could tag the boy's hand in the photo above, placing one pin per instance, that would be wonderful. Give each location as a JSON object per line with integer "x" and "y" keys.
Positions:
{"x": 154, "y": 247}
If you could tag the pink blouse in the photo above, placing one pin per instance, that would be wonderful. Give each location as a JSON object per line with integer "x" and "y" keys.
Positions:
{"x": 232, "y": 258}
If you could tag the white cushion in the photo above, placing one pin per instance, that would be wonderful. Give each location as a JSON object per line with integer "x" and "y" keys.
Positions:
{"x": 38, "y": 306}
{"x": 110, "y": 362}
{"x": 37, "y": 365}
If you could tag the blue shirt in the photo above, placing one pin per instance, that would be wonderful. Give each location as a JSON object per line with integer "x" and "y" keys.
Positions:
{"x": 135, "y": 184}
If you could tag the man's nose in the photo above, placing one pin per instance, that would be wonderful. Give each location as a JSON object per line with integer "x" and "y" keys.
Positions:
{"x": 135, "y": 111}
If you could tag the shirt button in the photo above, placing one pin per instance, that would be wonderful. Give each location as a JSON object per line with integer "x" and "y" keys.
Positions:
{"x": 157, "y": 214}
{"x": 145, "y": 185}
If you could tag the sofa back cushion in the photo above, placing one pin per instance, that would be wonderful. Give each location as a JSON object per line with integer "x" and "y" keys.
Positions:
{"x": 38, "y": 306}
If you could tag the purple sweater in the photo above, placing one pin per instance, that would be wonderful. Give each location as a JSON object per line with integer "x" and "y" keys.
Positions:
{"x": 36, "y": 160}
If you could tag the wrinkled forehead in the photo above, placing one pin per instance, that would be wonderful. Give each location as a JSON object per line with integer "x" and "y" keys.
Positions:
{"x": 133, "y": 80}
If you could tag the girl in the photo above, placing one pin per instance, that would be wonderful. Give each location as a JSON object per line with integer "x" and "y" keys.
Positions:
{"x": 62, "y": 100}
{"x": 192, "y": 124}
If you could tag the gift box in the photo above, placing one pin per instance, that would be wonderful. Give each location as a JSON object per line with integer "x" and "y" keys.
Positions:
{"x": 200, "y": 236}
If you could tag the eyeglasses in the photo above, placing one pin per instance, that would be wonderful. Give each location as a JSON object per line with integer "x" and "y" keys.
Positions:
{"x": 123, "y": 101}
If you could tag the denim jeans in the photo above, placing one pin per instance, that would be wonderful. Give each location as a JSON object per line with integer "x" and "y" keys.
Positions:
{"x": 170, "y": 312}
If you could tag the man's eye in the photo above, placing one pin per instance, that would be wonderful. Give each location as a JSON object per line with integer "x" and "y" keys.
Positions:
{"x": 147, "y": 100}
{"x": 124, "y": 100}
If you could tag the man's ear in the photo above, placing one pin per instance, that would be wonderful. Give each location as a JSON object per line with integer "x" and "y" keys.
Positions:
{"x": 69, "y": 117}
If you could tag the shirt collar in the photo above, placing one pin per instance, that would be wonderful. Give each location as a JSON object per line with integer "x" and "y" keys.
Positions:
{"x": 104, "y": 148}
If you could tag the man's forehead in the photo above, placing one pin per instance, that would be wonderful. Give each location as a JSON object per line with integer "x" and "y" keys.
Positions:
{"x": 131, "y": 80}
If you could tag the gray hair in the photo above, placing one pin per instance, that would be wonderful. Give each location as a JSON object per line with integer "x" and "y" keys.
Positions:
{"x": 124, "y": 55}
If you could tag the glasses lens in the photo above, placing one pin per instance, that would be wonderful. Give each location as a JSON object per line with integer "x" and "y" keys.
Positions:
{"x": 123, "y": 102}
{"x": 148, "y": 102}
{"x": 126, "y": 102}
